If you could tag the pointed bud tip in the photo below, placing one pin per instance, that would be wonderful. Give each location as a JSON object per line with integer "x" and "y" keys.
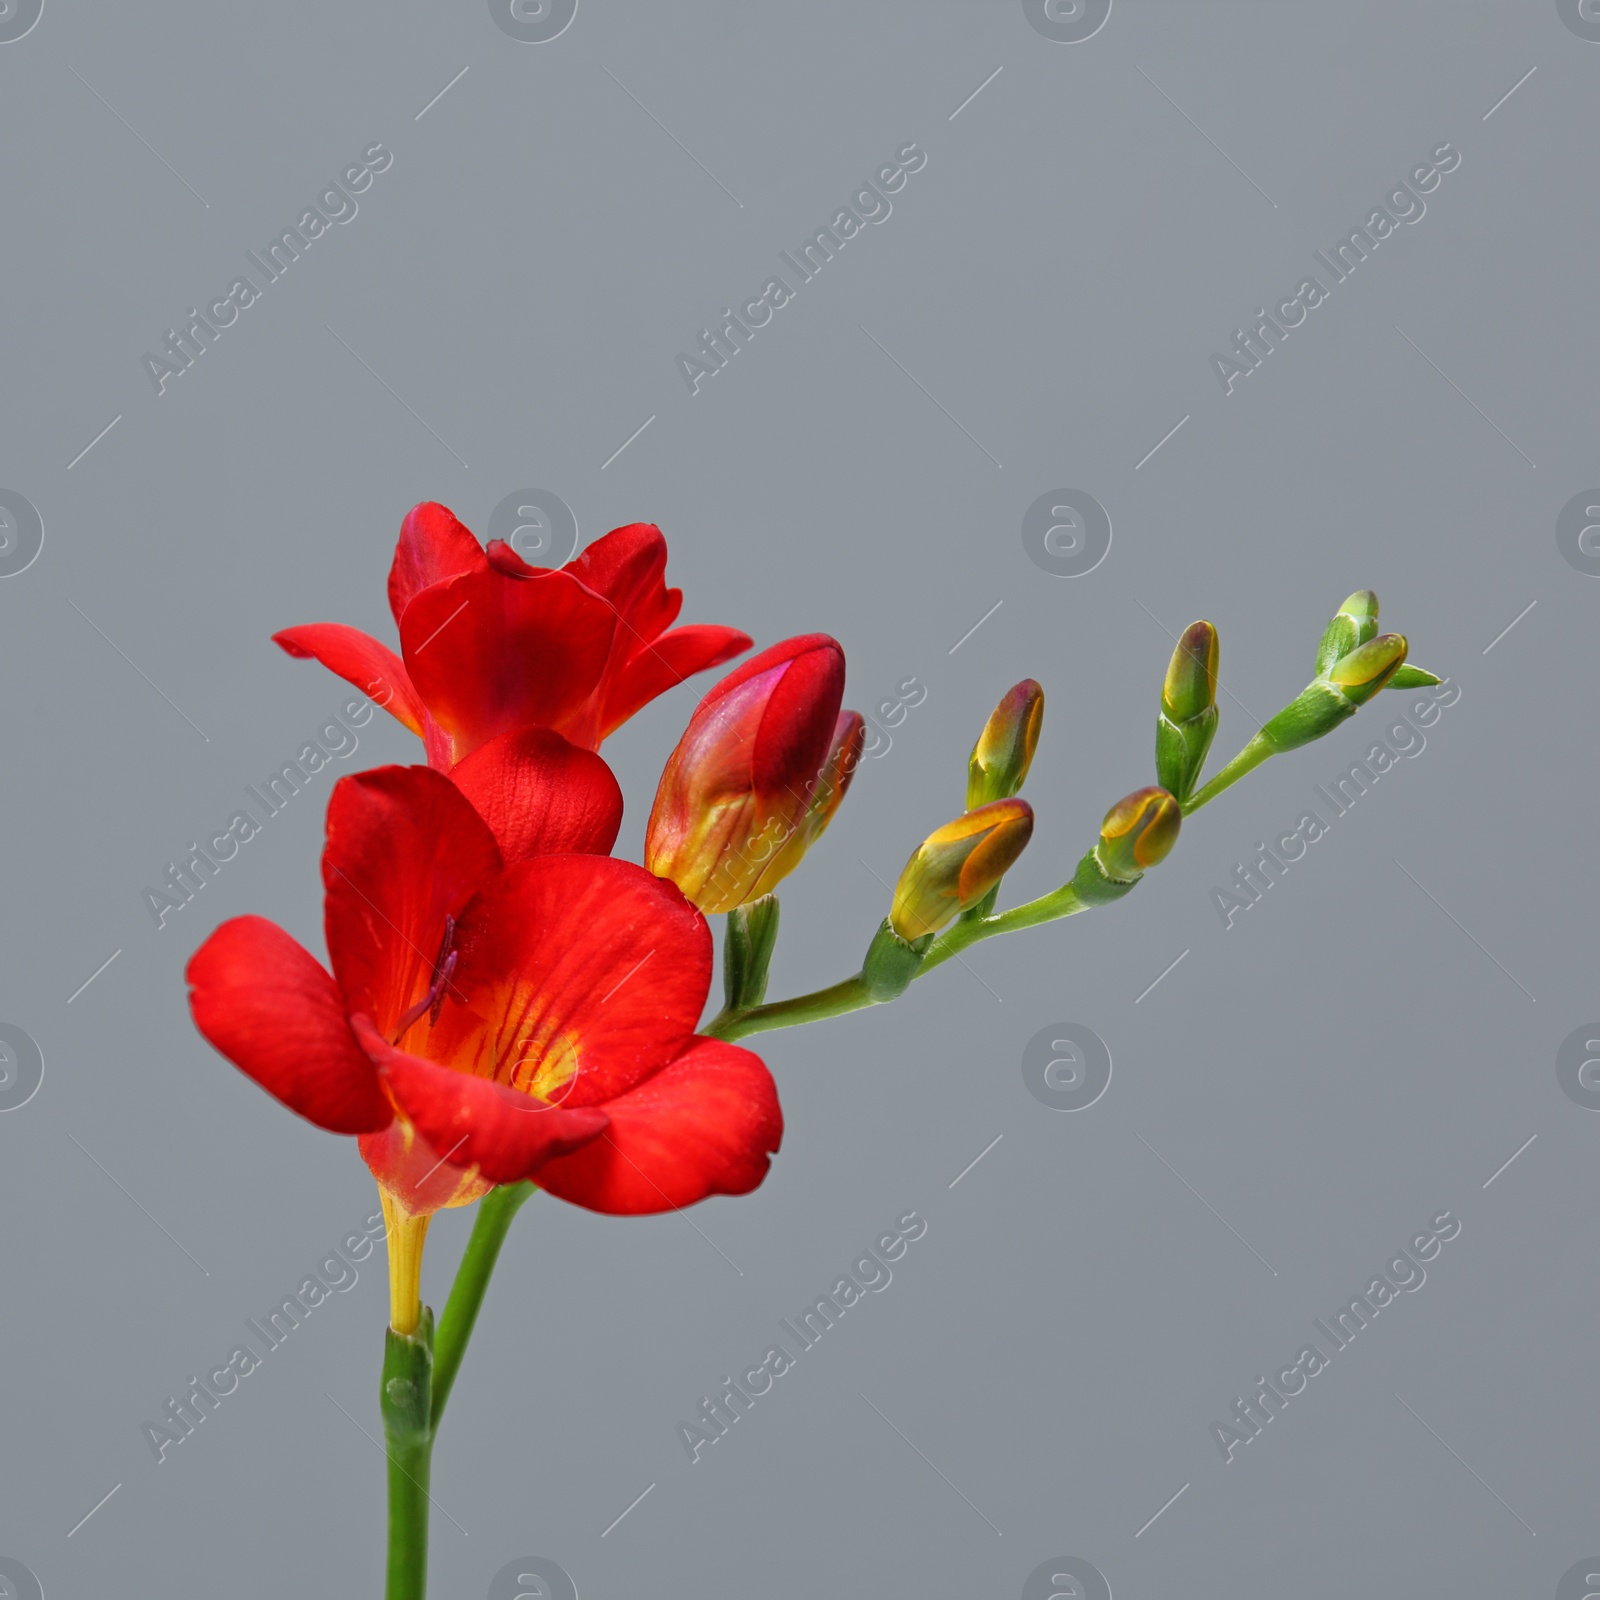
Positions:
{"x": 1362, "y": 605}
{"x": 1004, "y": 752}
{"x": 1377, "y": 658}
{"x": 1191, "y": 682}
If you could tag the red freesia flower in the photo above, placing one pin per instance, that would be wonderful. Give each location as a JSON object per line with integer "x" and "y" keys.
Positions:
{"x": 490, "y": 644}
{"x": 757, "y": 775}
{"x": 495, "y": 1013}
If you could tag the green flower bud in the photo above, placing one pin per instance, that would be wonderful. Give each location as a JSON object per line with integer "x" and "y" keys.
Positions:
{"x": 1004, "y": 751}
{"x": 1188, "y": 717}
{"x": 1368, "y": 667}
{"x": 1355, "y": 622}
{"x": 1139, "y": 832}
{"x": 1323, "y": 705}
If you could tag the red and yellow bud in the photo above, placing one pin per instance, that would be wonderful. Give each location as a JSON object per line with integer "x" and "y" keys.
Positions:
{"x": 1138, "y": 833}
{"x": 1004, "y": 751}
{"x": 957, "y": 865}
{"x": 756, "y": 777}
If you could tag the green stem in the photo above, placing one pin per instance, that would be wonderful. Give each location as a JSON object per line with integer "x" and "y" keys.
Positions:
{"x": 403, "y": 1399}
{"x": 1062, "y": 902}
{"x": 495, "y": 1212}
{"x": 1247, "y": 760}
{"x": 850, "y": 995}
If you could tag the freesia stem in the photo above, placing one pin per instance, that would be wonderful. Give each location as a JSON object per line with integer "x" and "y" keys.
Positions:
{"x": 853, "y": 993}
{"x": 1247, "y": 760}
{"x": 489, "y": 1229}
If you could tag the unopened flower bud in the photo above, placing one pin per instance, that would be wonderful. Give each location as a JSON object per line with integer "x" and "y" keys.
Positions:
{"x": 1139, "y": 832}
{"x": 957, "y": 865}
{"x": 1355, "y": 622}
{"x": 756, "y": 777}
{"x": 1324, "y": 704}
{"x": 1188, "y": 717}
{"x": 1368, "y": 667}
{"x": 1004, "y": 751}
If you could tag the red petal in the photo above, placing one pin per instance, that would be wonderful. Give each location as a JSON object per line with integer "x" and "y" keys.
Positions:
{"x": 405, "y": 850}
{"x": 504, "y": 559}
{"x": 796, "y": 731}
{"x": 542, "y": 796}
{"x": 433, "y": 546}
{"x": 704, "y": 1125}
{"x": 628, "y": 567}
{"x": 578, "y": 977}
{"x": 507, "y": 1136}
{"x": 358, "y": 658}
{"x": 269, "y": 1006}
{"x": 490, "y": 653}
{"x": 664, "y": 664}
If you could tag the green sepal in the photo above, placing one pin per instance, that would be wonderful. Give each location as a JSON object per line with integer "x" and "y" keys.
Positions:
{"x": 1094, "y": 886}
{"x": 892, "y": 962}
{"x": 1316, "y": 710}
{"x": 1410, "y": 677}
{"x": 748, "y": 942}
{"x": 406, "y": 1389}
{"x": 1181, "y": 750}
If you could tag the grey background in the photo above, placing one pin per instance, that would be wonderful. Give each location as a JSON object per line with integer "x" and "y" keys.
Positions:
{"x": 1359, "y": 1051}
